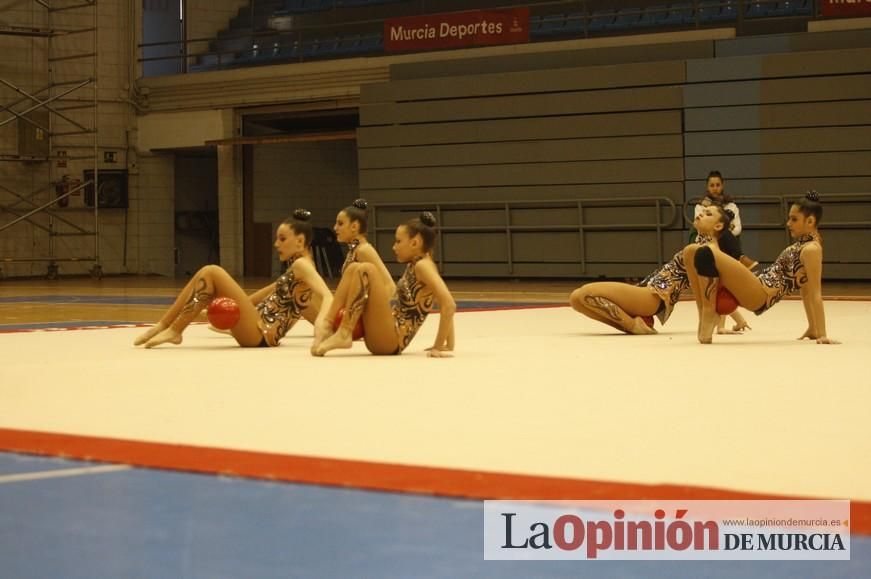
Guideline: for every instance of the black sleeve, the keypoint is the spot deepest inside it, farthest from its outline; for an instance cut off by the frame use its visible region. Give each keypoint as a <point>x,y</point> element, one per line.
<point>730,245</point>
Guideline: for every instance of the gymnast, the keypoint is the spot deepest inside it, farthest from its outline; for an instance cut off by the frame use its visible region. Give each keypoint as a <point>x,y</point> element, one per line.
<point>630,308</point>
<point>715,194</point>
<point>350,228</point>
<point>392,320</point>
<point>263,319</point>
<point>798,267</point>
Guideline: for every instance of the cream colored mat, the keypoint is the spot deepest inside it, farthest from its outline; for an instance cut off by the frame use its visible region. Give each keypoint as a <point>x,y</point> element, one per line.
<point>538,391</point>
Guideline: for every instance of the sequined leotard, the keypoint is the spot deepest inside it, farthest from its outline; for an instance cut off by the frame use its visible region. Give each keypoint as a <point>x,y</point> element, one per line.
<point>671,279</point>
<point>283,307</point>
<point>351,256</point>
<point>786,275</point>
<point>667,283</point>
<point>410,304</point>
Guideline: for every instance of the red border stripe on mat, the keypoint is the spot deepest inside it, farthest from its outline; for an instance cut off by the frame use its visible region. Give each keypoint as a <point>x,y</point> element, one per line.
<point>369,475</point>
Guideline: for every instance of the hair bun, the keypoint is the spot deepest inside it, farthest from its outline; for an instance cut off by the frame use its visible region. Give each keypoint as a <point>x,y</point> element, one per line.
<point>302,214</point>
<point>427,219</point>
<point>812,195</point>
<point>360,204</point>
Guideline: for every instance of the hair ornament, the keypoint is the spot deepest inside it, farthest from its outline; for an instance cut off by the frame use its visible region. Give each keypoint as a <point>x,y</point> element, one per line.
<point>427,219</point>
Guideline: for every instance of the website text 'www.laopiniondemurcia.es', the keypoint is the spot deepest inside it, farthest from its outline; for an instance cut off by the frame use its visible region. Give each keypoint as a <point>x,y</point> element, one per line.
<point>667,530</point>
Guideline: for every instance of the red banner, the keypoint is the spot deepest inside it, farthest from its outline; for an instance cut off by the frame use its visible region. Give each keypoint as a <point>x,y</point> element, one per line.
<point>845,7</point>
<point>457,30</point>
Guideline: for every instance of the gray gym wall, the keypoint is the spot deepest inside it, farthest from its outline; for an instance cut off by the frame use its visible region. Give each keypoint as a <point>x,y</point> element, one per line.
<point>776,115</point>
<point>318,176</point>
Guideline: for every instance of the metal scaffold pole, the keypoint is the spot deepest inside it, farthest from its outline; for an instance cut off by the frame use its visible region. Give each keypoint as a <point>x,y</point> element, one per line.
<point>58,132</point>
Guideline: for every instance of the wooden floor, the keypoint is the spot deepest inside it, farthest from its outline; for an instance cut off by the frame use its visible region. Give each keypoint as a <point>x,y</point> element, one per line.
<point>509,291</point>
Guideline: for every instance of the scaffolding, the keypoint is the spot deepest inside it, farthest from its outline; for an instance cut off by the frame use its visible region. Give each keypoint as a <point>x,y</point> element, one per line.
<point>57,131</point>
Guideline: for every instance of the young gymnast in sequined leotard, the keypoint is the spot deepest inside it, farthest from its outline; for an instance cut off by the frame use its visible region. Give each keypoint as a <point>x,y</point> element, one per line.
<point>350,228</point>
<point>799,267</point>
<point>391,321</point>
<point>298,292</point>
<point>715,194</point>
<point>624,306</point>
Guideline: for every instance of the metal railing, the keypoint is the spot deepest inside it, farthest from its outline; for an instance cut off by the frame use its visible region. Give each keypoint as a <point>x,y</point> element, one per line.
<point>657,204</point>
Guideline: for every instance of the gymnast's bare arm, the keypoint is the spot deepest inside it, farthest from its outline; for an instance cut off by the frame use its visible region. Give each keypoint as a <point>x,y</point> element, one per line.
<point>812,296</point>
<point>427,272</point>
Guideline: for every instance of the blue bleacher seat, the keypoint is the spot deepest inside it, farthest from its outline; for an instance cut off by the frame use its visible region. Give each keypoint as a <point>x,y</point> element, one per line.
<point>328,47</point>
<point>627,18</point>
<point>760,9</point>
<point>653,16</point>
<point>709,10</point>
<point>575,23</point>
<point>346,45</point>
<point>680,14</point>
<point>792,8</point>
<point>730,10</point>
<point>372,43</point>
<point>601,20</point>
<point>551,25</point>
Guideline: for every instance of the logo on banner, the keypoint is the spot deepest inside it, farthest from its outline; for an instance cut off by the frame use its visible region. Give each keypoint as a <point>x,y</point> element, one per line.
<point>457,30</point>
<point>667,530</point>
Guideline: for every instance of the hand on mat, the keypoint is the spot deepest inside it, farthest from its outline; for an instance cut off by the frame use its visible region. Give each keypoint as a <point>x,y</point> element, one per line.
<point>811,335</point>
<point>808,334</point>
<point>439,353</point>
<point>740,327</point>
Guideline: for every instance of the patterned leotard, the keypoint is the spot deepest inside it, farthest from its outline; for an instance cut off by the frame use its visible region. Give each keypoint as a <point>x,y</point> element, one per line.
<point>283,307</point>
<point>669,281</point>
<point>351,256</point>
<point>786,275</point>
<point>411,303</point>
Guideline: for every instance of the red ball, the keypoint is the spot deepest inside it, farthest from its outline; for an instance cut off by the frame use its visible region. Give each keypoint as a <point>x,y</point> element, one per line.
<point>223,313</point>
<point>726,302</point>
<point>358,329</point>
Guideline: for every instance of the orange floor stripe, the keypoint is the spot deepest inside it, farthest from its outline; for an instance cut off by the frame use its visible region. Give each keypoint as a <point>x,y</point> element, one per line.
<point>368,475</point>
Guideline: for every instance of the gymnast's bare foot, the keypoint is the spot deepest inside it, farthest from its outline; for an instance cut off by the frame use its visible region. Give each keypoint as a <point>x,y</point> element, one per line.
<point>148,334</point>
<point>707,323</point>
<point>166,336</point>
<point>640,327</point>
<point>323,330</point>
<point>340,339</point>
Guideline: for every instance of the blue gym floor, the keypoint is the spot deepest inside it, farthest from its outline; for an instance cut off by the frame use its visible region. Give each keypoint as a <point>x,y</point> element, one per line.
<point>139,523</point>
